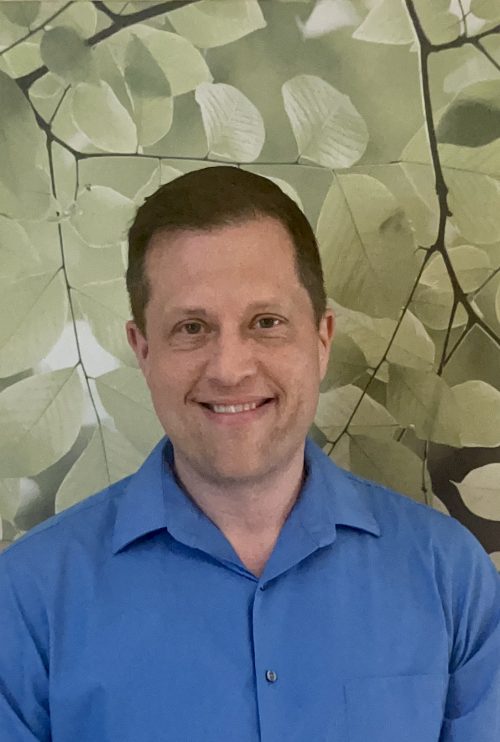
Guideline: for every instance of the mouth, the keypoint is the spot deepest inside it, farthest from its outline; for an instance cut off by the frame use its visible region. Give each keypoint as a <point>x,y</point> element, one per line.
<point>238,417</point>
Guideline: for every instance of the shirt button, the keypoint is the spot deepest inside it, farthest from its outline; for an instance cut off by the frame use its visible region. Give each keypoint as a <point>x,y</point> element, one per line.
<point>271,676</point>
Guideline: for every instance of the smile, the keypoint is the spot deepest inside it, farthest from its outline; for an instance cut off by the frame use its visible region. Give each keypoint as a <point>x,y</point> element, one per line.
<point>227,414</point>
<point>233,408</point>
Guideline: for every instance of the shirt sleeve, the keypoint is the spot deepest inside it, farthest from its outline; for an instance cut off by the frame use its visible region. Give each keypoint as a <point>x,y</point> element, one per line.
<point>24,714</point>
<point>472,711</point>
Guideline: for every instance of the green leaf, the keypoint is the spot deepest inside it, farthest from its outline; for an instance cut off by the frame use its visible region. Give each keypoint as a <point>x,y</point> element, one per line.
<point>411,346</point>
<point>27,196</point>
<point>471,264</point>
<point>64,52</point>
<point>22,13</point>
<point>153,118</point>
<point>439,505</point>
<point>143,74</point>
<point>125,396</point>
<point>98,113</point>
<point>40,418</point>
<point>181,63</point>
<point>341,454</point>
<point>33,313</point>
<point>483,160</point>
<point>473,201</point>
<point>389,463</point>
<point>111,73</point>
<point>65,175</point>
<point>480,490</point>
<point>336,406</point>
<point>346,363</point>
<point>469,123</point>
<point>233,125</point>
<point>367,246</point>
<point>84,264</point>
<point>479,409</point>
<point>305,185</point>
<point>386,23</point>
<point>477,357</point>
<point>433,307</point>
<point>441,20</point>
<point>327,127</point>
<point>473,68</point>
<point>10,498</point>
<point>148,188</point>
<point>105,306</point>
<point>127,174</point>
<point>473,196</point>
<point>9,33</point>
<point>422,216</point>
<point>26,190</point>
<point>210,23</point>
<point>23,58</point>
<point>488,9</point>
<point>81,16</point>
<point>495,558</point>
<point>423,400</point>
<point>18,256</point>
<point>97,467</point>
<point>87,476</point>
<point>102,215</point>
<point>168,173</point>
<point>327,17</point>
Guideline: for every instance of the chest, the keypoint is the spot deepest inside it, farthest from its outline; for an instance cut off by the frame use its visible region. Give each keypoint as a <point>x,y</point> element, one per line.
<point>170,650</point>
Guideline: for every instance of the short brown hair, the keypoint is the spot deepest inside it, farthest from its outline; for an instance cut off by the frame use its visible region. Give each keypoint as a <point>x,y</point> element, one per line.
<point>213,197</point>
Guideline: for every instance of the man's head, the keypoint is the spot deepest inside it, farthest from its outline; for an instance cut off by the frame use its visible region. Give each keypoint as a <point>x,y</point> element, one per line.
<point>228,303</point>
<point>215,197</point>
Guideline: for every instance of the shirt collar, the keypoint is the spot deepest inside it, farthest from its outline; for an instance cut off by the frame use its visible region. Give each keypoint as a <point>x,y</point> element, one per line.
<point>153,499</point>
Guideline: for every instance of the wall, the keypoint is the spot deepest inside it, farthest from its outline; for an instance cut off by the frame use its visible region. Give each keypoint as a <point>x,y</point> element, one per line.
<point>381,119</point>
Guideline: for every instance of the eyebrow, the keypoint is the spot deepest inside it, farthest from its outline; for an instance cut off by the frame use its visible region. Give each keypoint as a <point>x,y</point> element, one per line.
<point>203,312</point>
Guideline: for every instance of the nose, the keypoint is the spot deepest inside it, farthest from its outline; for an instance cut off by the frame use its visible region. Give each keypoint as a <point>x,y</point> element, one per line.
<point>232,358</point>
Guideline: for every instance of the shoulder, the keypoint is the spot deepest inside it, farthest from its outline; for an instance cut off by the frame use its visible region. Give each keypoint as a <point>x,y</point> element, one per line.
<point>414,526</point>
<point>88,523</point>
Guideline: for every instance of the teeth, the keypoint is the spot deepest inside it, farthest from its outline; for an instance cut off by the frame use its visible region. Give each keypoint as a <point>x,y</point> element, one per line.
<point>233,408</point>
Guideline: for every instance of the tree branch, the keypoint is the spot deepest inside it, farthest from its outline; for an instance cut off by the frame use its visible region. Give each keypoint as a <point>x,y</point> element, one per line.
<point>486,53</point>
<point>447,338</point>
<point>72,310</point>
<point>485,283</point>
<point>425,49</point>
<point>463,39</point>
<point>35,30</point>
<point>384,357</point>
<point>120,22</point>
<point>464,16</point>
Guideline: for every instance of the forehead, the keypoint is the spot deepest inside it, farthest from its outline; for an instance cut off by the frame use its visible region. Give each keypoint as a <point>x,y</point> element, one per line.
<point>260,252</point>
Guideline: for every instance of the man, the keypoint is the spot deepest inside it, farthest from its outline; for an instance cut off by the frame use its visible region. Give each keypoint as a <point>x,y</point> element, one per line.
<point>240,587</point>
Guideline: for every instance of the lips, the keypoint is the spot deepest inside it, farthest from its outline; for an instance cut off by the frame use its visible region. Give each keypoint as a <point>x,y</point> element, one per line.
<point>260,401</point>
<point>238,418</point>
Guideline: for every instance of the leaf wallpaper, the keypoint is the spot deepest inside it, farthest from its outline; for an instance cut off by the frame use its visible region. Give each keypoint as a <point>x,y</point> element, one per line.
<point>380,118</point>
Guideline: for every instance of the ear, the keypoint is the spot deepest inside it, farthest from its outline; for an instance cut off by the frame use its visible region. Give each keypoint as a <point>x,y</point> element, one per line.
<point>139,345</point>
<point>326,332</point>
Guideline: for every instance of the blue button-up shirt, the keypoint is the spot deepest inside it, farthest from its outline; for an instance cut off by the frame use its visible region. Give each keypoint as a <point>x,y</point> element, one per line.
<point>130,618</point>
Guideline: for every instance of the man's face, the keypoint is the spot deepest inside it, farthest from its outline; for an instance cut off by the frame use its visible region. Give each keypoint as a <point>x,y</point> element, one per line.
<point>207,341</point>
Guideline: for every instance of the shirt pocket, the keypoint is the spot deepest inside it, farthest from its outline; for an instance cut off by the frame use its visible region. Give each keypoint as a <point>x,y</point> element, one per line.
<point>395,708</point>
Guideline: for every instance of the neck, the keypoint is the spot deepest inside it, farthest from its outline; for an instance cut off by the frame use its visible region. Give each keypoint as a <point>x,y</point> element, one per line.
<point>251,511</point>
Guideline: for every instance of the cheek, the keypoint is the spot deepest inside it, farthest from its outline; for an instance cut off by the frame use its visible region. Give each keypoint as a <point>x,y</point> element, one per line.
<point>170,379</point>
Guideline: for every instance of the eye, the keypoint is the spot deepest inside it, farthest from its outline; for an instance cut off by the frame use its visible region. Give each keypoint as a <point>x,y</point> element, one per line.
<point>190,324</point>
<point>269,319</point>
